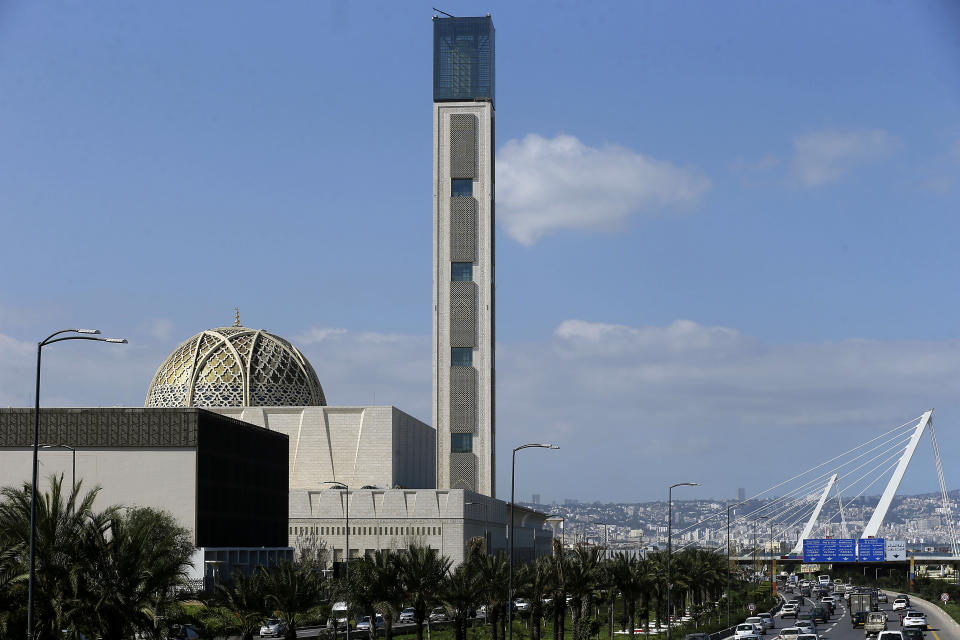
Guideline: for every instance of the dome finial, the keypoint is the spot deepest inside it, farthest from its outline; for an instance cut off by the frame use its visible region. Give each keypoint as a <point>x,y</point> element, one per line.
<point>236,320</point>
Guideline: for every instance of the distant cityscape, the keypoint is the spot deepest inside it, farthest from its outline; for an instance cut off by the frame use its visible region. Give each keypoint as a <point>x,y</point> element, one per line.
<point>920,520</point>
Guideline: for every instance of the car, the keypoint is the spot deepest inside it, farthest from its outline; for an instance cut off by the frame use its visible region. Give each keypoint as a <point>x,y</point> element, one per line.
<point>273,628</point>
<point>521,604</point>
<point>745,629</point>
<point>890,635</point>
<point>364,623</point>
<point>899,603</point>
<point>481,612</point>
<point>439,614</point>
<point>697,636</point>
<point>905,597</point>
<point>820,614</point>
<point>789,633</point>
<point>912,633</point>
<point>828,599</point>
<point>407,615</point>
<point>768,620</point>
<point>882,597</point>
<point>915,618</point>
<point>806,626</point>
<point>758,622</point>
<point>788,610</point>
<point>858,619</point>
<point>808,636</point>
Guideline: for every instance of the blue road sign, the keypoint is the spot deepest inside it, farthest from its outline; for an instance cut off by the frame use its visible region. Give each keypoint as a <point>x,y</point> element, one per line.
<point>871,550</point>
<point>829,550</point>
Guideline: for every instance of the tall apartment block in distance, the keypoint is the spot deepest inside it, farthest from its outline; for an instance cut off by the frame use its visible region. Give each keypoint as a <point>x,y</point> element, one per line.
<point>463,248</point>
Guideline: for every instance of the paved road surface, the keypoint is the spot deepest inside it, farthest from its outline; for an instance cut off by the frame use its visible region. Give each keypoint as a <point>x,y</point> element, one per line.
<point>839,627</point>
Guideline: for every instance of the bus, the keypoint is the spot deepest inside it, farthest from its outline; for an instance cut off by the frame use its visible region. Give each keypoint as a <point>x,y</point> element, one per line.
<point>824,580</point>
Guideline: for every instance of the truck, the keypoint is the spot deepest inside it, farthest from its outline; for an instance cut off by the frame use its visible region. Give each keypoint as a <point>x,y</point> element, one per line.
<point>864,600</point>
<point>876,622</point>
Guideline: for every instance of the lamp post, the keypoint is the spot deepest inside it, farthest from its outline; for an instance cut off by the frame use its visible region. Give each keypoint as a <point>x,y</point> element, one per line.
<point>670,541</point>
<point>728,559</point>
<point>554,517</point>
<point>513,475</point>
<point>346,552</point>
<point>74,452</point>
<point>486,542</point>
<point>88,334</point>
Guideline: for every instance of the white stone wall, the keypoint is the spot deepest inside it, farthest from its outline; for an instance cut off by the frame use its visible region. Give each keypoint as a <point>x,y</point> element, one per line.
<point>483,276</point>
<point>394,519</point>
<point>358,446</point>
<point>163,478</point>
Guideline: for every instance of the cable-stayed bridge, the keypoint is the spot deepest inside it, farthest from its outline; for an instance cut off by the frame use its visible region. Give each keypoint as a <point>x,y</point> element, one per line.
<point>815,503</point>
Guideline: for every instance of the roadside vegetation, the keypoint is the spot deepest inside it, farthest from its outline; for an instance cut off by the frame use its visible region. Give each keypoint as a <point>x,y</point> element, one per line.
<point>122,573</point>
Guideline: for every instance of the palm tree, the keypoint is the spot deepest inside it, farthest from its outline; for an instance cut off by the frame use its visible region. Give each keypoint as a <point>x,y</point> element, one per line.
<point>422,570</point>
<point>293,589</point>
<point>581,579</point>
<point>629,581</point>
<point>494,576</point>
<point>60,576</point>
<point>558,591</point>
<point>138,558</point>
<point>387,588</point>
<point>461,590</point>
<point>239,605</point>
<point>533,582</point>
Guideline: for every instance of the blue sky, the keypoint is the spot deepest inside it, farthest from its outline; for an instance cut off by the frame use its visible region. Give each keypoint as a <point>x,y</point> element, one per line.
<point>719,224</point>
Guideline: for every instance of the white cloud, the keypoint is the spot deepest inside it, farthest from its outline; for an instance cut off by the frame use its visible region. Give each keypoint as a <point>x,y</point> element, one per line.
<point>633,404</point>
<point>544,185</point>
<point>823,157</point>
<point>367,367</point>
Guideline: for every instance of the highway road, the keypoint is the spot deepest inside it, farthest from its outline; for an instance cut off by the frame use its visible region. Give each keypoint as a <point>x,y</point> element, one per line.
<point>839,627</point>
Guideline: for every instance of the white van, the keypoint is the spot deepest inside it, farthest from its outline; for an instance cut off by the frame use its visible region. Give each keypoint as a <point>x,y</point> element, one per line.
<point>824,580</point>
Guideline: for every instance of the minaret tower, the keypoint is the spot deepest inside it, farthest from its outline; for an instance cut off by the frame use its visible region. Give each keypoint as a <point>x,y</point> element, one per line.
<point>463,247</point>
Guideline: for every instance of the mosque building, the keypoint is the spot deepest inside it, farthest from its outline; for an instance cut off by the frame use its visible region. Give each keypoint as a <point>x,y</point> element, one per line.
<point>236,437</point>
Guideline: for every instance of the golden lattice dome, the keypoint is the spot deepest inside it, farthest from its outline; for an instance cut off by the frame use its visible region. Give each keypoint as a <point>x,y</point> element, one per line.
<point>235,367</point>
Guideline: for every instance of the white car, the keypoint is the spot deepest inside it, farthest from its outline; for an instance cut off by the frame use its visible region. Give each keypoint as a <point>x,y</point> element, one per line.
<point>272,628</point>
<point>439,614</point>
<point>788,609</point>
<point>521,604</point>
<point>889,635</point>
<point>758,622</point>
<point>364,624</point>
<point>767,620</point>
<point>915,619</point>
<point>407,615</point>
<point>789,633</point>
<point>746,629</point>
<point>806,626</point>
<point>899,603</point>
<point>808,636</point>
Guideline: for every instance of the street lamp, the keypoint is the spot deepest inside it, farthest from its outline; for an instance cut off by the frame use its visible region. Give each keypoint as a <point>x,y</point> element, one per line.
<point>346,552</point>
<point>87,335</point>
<point>74,452</point>
<point>670,541</point>
<point>554,517</point>
<point>513,475</point>
<point>486,542</point>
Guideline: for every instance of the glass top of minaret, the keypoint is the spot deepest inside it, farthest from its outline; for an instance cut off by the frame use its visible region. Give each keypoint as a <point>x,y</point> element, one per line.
<point>463,59</point>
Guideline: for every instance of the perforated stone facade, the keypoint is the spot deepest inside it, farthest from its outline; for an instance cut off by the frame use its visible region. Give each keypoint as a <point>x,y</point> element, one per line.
<point>463,396</point>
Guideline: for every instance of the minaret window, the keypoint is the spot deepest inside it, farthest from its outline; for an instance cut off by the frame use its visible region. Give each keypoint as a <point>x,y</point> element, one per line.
<point>461,271</point>
<point>461,187</point>
<point>461,443</point>
<point>461,356</point>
